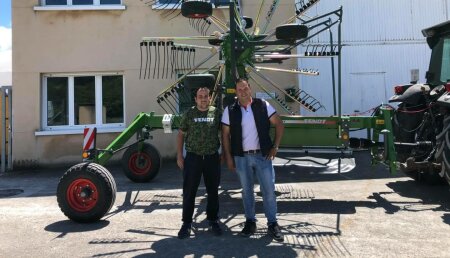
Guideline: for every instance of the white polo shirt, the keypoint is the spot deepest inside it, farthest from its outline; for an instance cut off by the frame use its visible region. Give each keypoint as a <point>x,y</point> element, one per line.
<point>250,139</point>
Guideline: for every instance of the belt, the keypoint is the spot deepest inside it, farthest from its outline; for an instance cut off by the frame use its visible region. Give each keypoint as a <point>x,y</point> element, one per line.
<point>202,156</point>
<point>252,152</point>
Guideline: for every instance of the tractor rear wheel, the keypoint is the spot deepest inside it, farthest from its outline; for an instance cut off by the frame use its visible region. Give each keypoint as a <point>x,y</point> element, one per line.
<point>443,149</point>
<point>86,192</point>
<point>141,165</point>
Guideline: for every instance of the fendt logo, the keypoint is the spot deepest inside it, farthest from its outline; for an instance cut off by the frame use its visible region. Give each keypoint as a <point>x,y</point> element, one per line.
<point>311,122</point>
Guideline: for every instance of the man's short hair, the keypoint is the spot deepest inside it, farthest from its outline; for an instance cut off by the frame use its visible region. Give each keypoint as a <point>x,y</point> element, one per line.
<point>202,89</point>
<point>243,79</point>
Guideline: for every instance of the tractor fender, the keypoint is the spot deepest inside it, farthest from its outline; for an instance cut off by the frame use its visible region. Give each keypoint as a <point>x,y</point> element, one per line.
<point>413,95</point>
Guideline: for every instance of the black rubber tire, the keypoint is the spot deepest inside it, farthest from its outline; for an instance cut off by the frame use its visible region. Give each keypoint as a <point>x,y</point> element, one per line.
<point>141,166</point>
<point>291,32</point>
<point>101,192</point>
<point>443,149</point>
<point>195,81</point>
<point>196,9</point>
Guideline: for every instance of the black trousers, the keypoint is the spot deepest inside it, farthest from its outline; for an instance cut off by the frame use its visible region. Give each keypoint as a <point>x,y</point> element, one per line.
<point>194,167</point>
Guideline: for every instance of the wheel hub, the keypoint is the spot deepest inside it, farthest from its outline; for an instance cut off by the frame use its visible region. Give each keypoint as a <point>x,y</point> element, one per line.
<point>82,195</point>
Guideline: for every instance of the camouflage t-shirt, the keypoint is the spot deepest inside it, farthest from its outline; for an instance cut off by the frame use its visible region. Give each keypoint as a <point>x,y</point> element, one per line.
<point>201,130</point>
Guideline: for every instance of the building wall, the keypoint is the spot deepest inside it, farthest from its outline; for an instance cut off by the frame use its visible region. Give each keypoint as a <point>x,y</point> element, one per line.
<point>90,41</point>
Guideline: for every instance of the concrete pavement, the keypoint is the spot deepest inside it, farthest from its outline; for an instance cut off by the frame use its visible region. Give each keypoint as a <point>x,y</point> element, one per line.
<point>362,212</point>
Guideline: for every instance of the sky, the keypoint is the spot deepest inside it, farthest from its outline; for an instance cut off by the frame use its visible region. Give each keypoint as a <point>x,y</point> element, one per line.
<point>5,42</point>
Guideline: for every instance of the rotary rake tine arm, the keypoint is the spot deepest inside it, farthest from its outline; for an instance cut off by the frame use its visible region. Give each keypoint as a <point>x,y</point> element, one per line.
<point>301,102</point>
<point>276,97</point>
<point>269,15</point>
<point>296,71</point>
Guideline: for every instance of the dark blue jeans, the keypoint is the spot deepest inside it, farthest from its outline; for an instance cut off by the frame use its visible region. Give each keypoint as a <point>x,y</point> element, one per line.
<point>194,167</point>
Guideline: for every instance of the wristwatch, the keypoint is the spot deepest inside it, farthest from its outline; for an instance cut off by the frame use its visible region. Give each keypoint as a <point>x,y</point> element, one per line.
<point>275,147</point>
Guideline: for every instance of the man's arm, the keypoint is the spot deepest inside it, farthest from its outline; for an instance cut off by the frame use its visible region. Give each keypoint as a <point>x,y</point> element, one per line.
<point>279,130</point>
<point>226,147</point>
<point>180,142</point>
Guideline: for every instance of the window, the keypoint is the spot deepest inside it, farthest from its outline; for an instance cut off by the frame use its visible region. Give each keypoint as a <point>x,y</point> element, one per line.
<point>81,2</point>
<point>74,101</point>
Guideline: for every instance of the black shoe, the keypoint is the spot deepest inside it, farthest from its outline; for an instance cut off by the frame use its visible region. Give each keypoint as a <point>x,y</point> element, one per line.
<point>249,229</point>
<point>185,231</point>
<point>214,227</point>
<point>275,231</point>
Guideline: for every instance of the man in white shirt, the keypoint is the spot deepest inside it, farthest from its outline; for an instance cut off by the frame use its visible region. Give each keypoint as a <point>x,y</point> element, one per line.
<point>249,150</point>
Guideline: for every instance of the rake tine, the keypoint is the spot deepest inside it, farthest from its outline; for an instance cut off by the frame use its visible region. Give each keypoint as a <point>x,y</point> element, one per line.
<point>164,58</point>
<point>181,52</point>
<point>173,9</point>
<point>167,54</point>
<point>160,6</point>
<point>175,16</point>
<point>155,58</point>
<point>172,107</point>
<point>198,25</point>
<point>192,59</point>
<point>150,58</point>
<point>209,25</point>
<point>203,27</point>
<point>170,93</point>
<point>159,101</point>
<point>177,60</point>
<point>159,57</point>
<point>147,63</point>
<point>140,67</point>
<point>180,59</point>
<point>188,58</point>
<point>184,60</point>
<point>172,56</point>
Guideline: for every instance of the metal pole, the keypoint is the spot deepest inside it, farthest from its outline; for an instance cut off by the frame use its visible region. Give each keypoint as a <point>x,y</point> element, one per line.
<point>232,43</point>
<point>333,76</point>
<point>3,131</point>
<point>339,67</point>
<point>10,163</point>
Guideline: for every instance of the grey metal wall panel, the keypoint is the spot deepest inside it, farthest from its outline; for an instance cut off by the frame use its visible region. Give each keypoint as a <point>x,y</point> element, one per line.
<point>369,73</point>
<point>384,20</point>
<point>382,43</point>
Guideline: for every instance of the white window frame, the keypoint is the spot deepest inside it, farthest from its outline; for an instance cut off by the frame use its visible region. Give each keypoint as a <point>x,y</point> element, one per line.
<point>69,6</point>
<point>72,128</point>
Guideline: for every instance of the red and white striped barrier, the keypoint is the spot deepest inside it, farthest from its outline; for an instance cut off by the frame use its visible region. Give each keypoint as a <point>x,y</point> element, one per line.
<point>89,138</point>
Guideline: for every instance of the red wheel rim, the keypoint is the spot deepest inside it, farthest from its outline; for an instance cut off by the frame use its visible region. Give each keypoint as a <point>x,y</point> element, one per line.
<point>139,163</point>
<point>82,195</point>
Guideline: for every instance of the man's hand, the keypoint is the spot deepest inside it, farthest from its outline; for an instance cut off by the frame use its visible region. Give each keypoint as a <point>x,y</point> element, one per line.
<point>180,161</point>
<point>230,163</point>
<point>272,153</point>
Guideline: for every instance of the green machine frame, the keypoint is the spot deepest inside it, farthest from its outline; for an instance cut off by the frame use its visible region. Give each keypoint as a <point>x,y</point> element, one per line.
<point>302,133</point>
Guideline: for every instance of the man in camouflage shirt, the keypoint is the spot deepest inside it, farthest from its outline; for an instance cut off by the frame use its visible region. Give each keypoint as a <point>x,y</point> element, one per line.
<point>199,131</point>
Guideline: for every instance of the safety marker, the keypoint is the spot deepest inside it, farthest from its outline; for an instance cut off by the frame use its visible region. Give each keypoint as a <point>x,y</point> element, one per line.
<point>90,135</point>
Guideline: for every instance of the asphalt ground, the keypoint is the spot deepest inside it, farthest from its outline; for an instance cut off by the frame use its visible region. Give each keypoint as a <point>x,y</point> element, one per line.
<point>361,212</point>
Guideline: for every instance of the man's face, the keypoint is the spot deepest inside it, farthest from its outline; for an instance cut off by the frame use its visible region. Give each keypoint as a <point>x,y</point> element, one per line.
<point>202,99</point>
<point>243,91</point>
